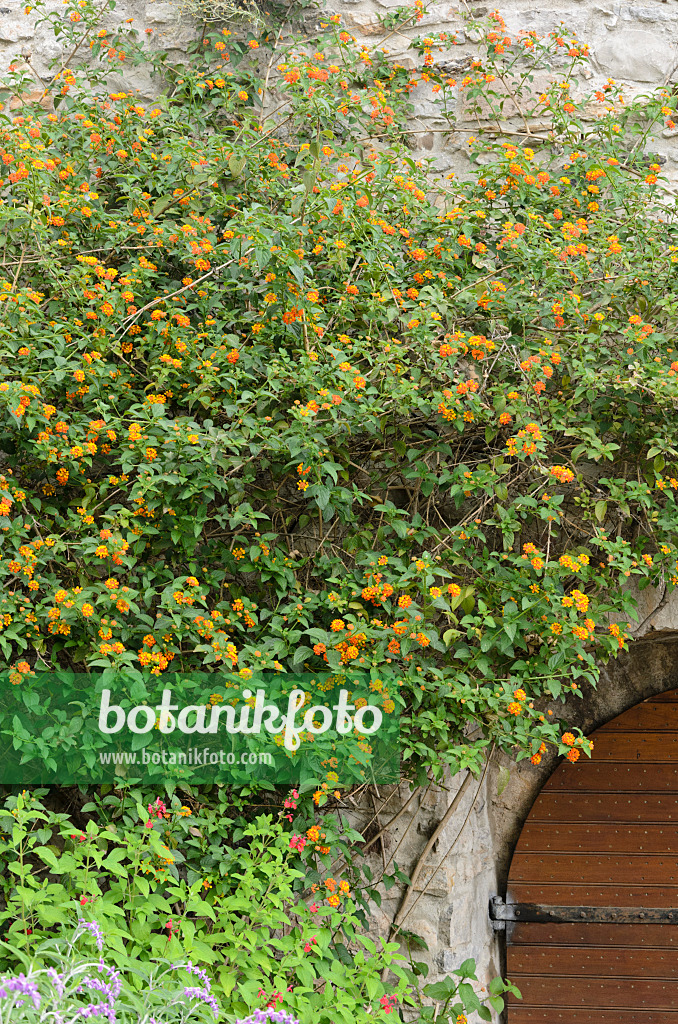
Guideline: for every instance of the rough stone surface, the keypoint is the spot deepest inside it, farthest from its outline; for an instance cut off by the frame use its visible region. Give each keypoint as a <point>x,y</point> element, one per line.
<point>14,27</point>
<point>642,56</point>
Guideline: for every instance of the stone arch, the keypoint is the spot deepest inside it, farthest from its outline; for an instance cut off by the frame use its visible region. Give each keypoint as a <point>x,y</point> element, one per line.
<point>648,669</point>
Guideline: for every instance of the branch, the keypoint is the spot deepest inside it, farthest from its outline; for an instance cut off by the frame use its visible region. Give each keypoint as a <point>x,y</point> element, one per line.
<point>419,867</point>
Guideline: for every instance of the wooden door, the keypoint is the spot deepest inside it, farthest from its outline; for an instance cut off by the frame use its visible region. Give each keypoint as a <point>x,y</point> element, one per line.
<point>593,884</point>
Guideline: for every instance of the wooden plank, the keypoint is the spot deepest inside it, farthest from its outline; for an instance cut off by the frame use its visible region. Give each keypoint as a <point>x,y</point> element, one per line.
<point>659,936</point>
<point>635,746</point>
<point>605,869</point>
<point>603,833</point>
<point>605,962</point>
<point>593,894</point>
<point>657,716</point>
<point>519,1014</point>
<point>616,807</point>
<point>602,993</point>
<point>613,776</point>
<point>599,837</point>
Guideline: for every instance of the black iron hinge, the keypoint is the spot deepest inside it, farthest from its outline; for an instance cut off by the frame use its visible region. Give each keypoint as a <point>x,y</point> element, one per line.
<point>502,913</point>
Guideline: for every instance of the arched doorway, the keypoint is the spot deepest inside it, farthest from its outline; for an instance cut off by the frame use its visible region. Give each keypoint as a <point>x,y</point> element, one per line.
<point>592,895</point>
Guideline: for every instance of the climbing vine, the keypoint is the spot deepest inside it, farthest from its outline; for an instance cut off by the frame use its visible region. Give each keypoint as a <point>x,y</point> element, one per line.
<point>277,396</point>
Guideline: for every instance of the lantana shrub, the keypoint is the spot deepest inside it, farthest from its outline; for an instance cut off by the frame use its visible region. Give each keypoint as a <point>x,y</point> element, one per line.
<point>274,395</point>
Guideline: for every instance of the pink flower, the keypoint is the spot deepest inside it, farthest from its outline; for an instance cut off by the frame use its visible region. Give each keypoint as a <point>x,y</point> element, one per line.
<point>149,824</point>
<point>297,843</point>
<point>314,908</point>
<point>84,900</point>
<point>307,947</point>
<point>158,808</point>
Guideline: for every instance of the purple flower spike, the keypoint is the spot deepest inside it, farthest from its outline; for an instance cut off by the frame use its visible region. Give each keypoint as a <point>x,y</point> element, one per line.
<point>57,980</point>
<point>24,986</point>
<point>269,1016</point>
<point>93,928</point>
<point>204,995</point>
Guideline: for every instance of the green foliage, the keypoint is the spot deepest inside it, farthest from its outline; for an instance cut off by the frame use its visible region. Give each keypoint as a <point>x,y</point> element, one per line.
<point>455,997</point>
<point>51,730</point>
<point>223,892</point>
<point>274,395</point>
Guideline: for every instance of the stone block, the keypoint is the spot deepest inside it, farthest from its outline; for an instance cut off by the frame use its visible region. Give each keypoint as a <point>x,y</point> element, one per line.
<point>362,22</point>
<point>441,16</point>
<point>635,55</point>
<point>434,881</point>
<point>36,96</point>
<point>14,27</point>
<point>160,13</point>
<point>423,923</point>
<point>175,37</point>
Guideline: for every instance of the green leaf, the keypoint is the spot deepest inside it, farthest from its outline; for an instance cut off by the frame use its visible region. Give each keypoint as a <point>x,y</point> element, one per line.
<point>301,654</point>
<point>467,969</point>
<point>322,496</point>
<point>161,204</point>
<point>441,991</point>
<point>236,165</point>
<point>47,855</point>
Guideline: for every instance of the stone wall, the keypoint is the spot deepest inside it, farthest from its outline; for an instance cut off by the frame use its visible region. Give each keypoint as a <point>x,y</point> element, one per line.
<point>635,43</point>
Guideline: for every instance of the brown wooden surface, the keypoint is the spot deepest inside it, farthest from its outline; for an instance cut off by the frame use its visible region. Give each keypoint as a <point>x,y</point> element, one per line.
<point>604,837</point>
<point>661,808</point>
<point>602,993</point>
<point>635,746</point>
<point>660,936</point>
<point>606,869</point>
<point>598,776</point>
<point>519,1014</point>
<point>605,962</point>
<point>602,833</point>
<point>656,716</point>
<point>567,894</point>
